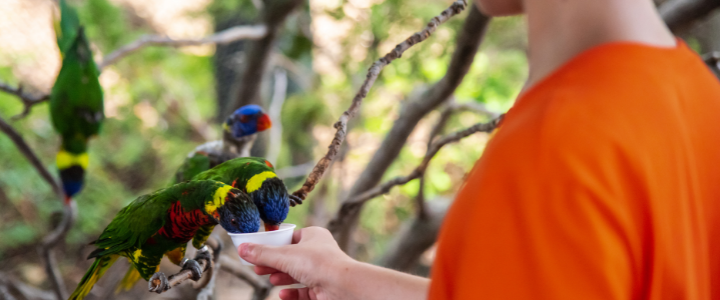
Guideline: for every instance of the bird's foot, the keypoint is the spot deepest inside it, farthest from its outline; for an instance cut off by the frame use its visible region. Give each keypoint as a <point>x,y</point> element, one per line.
<point>194,267</point>
<point>204,254</point>
<point>295,200</point>
<point>158,283</point>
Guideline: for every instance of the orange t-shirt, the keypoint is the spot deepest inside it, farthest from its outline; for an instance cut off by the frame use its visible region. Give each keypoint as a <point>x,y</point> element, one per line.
<point>602,182</point>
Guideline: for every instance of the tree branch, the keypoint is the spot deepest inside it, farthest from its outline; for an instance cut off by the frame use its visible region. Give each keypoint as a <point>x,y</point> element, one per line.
<point>679,13</point>
<point>48,244</point>
<point>274,14</point>
<point>22,289</point>
<point>261,287</point>
<point>274,112</point>
<point>31,156</point>
<point>385,187</point>
<point>468,43</point>
<point>415,237</point>
<point>28,100</point>
<point>226,36</point>
<point>373,72</point>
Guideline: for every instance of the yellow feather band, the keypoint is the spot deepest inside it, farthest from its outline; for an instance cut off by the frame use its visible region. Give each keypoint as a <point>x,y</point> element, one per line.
<point>65,160</point>
<point>256,181</point>
<point>218,199</point>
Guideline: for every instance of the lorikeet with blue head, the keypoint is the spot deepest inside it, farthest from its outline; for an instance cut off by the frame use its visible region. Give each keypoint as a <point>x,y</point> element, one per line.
<point>76,111</point>
<point>162,223</point>
<point>239,133</point>
<point>256,177</point>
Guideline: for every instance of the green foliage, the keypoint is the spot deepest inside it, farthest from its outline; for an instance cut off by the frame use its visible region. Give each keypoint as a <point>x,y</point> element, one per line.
<point>160,104</point>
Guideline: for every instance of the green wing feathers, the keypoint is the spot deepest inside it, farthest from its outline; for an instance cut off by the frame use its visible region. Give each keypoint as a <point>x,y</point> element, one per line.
<point>76,100</point>
<point>67,27</point>
<point>91,277</point>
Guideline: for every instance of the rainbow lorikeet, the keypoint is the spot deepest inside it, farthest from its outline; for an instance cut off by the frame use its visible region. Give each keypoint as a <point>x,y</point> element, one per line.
<point>162,223</point>
<point>238,136</point>
<point>256,177</point>
<point>76,110</point>
<point>67,26</point>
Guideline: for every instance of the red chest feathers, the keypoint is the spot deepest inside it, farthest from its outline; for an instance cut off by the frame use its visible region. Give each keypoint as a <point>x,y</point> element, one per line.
<point>181,224</point>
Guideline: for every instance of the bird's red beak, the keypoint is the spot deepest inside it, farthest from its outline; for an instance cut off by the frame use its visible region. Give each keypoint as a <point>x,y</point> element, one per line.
<point>263,123</point>
<point>269,227</point>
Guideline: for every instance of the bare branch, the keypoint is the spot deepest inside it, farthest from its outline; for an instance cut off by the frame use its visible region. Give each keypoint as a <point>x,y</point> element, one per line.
<point>294,171</point>
<point>450,138</point>
<point>274,14</point>
<point>261,286</point>
<point>22,289</point>
<point>415,237</point>
<point>226,36</point>
<point>49,242</point>
<point>274,112</point>
<point>467,45</point>
<point>206,265</point>
<point>373,72</point>
<point>28,100</point>
<point>31,156</point>
<point>679,13</point>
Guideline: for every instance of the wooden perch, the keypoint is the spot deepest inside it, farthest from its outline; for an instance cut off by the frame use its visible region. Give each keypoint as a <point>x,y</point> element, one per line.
<point>28,100</point>
<point>226,36</point>
<point>373,72</point>
<point>214,246</point>
<point>679,13</point>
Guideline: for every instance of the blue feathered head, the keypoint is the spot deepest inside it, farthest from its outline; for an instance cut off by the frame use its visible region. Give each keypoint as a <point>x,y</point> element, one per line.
<point>247,120</point>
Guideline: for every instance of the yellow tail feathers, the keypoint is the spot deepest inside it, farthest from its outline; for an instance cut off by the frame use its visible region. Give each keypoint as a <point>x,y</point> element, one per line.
<point>92,275</point>
<point>131,277</point>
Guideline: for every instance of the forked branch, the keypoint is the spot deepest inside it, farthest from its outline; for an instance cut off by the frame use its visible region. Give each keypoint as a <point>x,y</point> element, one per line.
<point>341,125</point>
<point>432,150</point>
<point>226,36</point>
<point>28,100</point>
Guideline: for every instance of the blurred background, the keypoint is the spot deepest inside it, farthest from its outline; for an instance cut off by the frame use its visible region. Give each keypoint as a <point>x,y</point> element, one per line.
<point>161,102</point>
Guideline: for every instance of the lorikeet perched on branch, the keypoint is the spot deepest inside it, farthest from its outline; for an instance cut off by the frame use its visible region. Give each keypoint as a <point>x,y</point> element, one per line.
<point>76,110</point>
<point>238,136</point>
<point>66,27</point>
<point>163,222</point>
<point>256,177</point>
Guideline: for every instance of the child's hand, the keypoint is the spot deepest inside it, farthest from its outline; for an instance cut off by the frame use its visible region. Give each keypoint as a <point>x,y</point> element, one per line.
<point>314,259</point>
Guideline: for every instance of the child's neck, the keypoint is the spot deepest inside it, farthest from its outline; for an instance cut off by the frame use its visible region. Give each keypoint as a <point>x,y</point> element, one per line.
<point>558,30</point>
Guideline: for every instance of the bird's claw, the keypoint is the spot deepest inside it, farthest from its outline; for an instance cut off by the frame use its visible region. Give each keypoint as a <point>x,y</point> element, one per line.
<point>158,283</point>
<point>295,200</point>
<point>194,267</point>
<point>204,254</point>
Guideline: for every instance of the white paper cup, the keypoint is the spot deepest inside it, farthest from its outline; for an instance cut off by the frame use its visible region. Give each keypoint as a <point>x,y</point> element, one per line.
<point>280,237</point>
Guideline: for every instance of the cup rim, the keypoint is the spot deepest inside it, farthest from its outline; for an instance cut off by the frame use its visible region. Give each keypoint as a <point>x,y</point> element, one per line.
<point>290,227</point>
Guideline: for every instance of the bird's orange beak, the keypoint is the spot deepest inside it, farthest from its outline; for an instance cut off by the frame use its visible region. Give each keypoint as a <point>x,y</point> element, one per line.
<point>269,227</point>
<point>263,123</point>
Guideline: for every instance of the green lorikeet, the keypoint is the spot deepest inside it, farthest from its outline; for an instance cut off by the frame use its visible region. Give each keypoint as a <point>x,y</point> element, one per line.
<point>67,27</point>
<point>163,222</point>
<point>256,177</point>
<point>239,133</point>
<point>76,110</point>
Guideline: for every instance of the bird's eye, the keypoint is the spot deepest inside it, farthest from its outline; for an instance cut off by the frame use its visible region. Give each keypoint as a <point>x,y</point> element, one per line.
<point>233,221</point>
